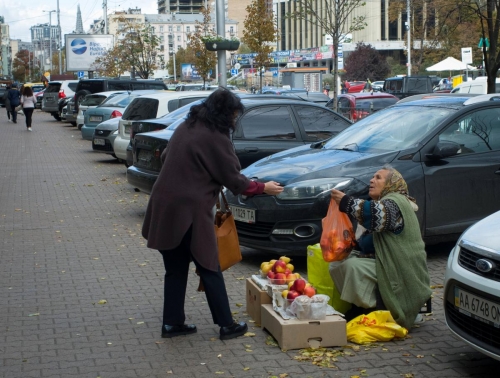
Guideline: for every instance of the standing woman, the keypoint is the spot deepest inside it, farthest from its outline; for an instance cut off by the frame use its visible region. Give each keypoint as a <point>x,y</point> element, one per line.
<point>179,222</point>
<point>13,96</point>
<point>28,101</point>
<point>7,102</point>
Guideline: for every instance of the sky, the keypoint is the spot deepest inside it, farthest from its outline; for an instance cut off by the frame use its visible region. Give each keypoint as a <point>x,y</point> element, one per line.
<point>31,12</point>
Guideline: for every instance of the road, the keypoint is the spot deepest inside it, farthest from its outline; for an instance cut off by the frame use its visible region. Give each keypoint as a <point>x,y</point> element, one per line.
<point>81,294</point>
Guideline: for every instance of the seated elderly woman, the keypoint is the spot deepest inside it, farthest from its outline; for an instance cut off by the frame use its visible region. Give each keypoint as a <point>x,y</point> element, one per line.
<point>388,269</point>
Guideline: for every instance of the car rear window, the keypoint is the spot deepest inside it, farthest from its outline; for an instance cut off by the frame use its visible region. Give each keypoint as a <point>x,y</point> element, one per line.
<point>91,86</point>
<point>375,104</point>
<point>141,108</point>
<point>37,88</point>
<point>93,100</point>
<point>53,87</point>
<point>120,101</point>
<point>73,86</point>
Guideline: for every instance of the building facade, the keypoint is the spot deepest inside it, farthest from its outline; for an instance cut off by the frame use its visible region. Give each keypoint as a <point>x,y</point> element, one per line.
<point>45,39</point>
<point>5,50</point>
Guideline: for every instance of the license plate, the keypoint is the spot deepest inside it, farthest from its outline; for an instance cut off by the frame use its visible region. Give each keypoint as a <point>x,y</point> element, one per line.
<point>99,142</point>
<point>243,214</point>
<point>477,307</point>
<point>126,129</point>
<point>95,119</point>
<point>144,158</point>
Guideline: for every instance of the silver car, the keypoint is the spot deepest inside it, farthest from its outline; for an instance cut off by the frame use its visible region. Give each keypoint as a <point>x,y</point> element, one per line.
<point>472,287</point>
<point>104,136</point>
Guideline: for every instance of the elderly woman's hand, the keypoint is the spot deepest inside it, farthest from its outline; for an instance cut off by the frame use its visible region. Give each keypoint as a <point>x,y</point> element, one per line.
<point>272,188</point>
<point>337,195</point>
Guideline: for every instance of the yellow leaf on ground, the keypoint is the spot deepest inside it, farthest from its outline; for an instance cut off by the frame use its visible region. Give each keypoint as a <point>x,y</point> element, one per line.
<point>102,301</point>
<point>239,304</point>
<point>246,368</point>
<point>249,334</point>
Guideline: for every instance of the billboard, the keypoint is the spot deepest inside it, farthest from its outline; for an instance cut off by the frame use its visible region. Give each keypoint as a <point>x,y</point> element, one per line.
<point>83,49</point>
<point>189,72</point>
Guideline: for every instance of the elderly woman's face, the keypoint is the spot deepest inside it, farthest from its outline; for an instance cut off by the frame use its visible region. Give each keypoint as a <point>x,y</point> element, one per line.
<point>377,183</point>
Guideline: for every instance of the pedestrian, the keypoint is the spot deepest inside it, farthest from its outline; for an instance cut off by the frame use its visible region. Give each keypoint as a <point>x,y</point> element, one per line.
<point>327,88</point>
<point>28,102</point>
<point>179,220</point>
<point>7,102</point>
<point>13,96</point>
<point>368,86</point>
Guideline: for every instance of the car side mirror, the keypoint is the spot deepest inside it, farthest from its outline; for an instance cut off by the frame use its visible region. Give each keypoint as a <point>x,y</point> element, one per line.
<point>444,149</point>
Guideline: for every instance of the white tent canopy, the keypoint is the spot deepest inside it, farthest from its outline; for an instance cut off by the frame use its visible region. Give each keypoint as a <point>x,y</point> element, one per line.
<point>450,64</point>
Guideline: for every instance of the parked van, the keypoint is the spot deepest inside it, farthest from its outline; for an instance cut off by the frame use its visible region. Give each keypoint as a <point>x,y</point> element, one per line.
<point>477,86</point>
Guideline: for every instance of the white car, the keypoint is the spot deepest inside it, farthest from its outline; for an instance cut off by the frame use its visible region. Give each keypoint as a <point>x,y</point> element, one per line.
<point>149,107</point>
<point>472,287</point>
<point>91,101</point>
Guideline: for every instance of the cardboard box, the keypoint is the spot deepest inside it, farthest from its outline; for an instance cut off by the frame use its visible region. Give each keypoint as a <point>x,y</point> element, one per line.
<point>255,298</point>
<point>298,334</point>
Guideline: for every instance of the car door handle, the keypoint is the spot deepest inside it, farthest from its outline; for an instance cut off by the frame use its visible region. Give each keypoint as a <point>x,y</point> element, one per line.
<point>251,149</point>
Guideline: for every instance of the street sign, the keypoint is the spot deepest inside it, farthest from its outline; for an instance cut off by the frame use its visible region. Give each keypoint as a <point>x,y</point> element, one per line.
<point>234,71</point>
<point>483,41</point>
<point>81,74</point>
<point>467,55</point>
<point>237,66</point>
<point>275,73</point>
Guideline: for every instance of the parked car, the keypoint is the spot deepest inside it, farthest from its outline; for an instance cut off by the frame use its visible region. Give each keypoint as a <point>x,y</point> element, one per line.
<point>191,87</point>
<point>69,113</point>
<point>316,97</point>
<point>471,288</point>
<point>89,86</point>
<point>110,108</point>
<point>477,86</point>
<point>356,106</point>
<point>104,136</point>
<point>55,91</point>
<point>35,87</point>
<point>377,85</point>
<point>39,98</point>
<point>264,128</point>
<point>447,149</point>
<point>91,101</point>
<point>149,107</point>
<point>356,86</point>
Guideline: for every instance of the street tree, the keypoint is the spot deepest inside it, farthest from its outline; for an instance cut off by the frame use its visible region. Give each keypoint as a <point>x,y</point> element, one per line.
<point>260,33</point>
<point>21,66</point>
<point>137,51</point>
<point>336,19</point>
<point>203,59</point>
<point>366,62</point>
<point>182,56</point>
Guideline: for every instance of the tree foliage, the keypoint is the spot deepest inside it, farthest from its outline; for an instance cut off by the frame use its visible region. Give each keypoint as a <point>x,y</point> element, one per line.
<point>335,18</point>
<point>260,32</point>
<point>181,56</point>
<point>137,51</point>
<point>366,62</point>
<point>21,65</point>
<point>203,59</point>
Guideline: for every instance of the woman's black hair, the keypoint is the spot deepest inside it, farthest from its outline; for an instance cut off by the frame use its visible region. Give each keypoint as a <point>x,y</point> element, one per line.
<point>27,91</point>
<point>218,111</point>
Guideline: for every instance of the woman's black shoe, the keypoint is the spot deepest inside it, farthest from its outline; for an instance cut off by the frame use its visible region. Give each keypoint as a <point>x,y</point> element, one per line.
<point>234,330</point>
<point>177,330</point>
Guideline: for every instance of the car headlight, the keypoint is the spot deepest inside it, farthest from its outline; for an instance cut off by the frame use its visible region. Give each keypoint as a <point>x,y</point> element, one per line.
<point>114,132</point>
<point>313,188</point>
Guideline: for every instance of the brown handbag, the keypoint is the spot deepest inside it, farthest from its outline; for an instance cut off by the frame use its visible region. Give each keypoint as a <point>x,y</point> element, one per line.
<point>227,237</point>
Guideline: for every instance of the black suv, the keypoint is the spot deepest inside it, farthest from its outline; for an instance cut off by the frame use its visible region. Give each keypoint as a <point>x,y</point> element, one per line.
<point>89,86</point>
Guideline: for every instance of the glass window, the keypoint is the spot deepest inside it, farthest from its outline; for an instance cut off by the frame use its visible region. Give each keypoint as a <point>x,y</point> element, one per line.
<point>188,29</point>
<point>141,108</point>
<point>268,122</point>
<point>72,86</point>
<point>318,123</point>
<point>178,28</point>
<point>93,100</point>
<point>170,28</point>
<point>178,38</point>
<point>161,29</point>
<point>476,132</point>
<point>344,107</point>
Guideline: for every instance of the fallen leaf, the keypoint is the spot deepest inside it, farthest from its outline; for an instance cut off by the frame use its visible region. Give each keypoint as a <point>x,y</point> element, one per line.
<point>160,342</point>
<point>219,372</point>
<point>140,322</point>
<point>437,286</point>
<point>239,304</point>
<point>110,343</point>
<point>170,372</point>
<point>248,346</point>
<point>102,301</point>
<point>240,278</point>
<point>249,334</point>
<point>248,350</point>
<point>219,355</point>
<point>35,314</point>
<point>420,356</point>
<point>246,368</point>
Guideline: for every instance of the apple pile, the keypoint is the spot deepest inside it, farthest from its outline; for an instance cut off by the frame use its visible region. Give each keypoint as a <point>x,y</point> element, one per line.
<point>298,287</point>
<point>279,272</point>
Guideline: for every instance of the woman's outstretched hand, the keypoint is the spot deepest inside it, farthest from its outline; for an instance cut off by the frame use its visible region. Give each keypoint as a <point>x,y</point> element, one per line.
<point>272,188</point>
<point>337,195</point>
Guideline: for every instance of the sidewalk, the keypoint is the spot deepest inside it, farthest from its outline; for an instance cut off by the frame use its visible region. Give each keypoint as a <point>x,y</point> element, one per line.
<point>81,295</point>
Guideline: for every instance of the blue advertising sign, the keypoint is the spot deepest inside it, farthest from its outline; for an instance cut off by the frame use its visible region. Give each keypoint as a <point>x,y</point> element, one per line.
<point>189,72</point>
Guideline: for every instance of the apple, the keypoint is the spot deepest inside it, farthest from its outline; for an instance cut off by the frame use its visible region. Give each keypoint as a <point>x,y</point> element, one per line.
<point>279,279</point>
<point>309,291</point>
<point>279,266</point>
<point>292,294</point>
<point>290,277</point>
<point>266,268</point>
<point>272,261</point>
<point>287,272</point>
<point>270,275</point>
<point>300,285</point>
<point>290,285</point>
<point>264,263</point>
<point>285,259</point>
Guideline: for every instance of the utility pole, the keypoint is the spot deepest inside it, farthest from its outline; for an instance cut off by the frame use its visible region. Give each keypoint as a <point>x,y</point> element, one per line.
<point>408,31</point>
<point>105,15</point>
<point>60,37</point>
<point>221,31</point>
<point>50,38</point>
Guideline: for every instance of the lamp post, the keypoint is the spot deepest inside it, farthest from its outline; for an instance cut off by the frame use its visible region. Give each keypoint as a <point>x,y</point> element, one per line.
<point>408,33</point>
<point>50,37</point>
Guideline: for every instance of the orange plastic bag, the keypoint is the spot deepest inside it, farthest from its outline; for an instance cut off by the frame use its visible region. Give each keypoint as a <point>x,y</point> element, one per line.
<point>337,238</point>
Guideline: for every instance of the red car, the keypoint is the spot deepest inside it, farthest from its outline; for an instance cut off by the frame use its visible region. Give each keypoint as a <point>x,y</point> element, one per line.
<point>356,106</point>
<point>356,86</point>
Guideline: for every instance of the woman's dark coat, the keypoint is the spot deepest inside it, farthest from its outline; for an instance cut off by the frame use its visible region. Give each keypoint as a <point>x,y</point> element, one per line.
<point>197,162</point>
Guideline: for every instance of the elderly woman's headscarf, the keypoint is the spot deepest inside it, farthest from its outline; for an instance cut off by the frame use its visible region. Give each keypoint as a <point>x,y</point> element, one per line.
<point>397,184</point>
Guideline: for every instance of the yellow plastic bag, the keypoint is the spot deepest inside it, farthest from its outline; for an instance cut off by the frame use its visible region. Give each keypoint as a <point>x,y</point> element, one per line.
<point>376,326</point>
<point>318,275</point>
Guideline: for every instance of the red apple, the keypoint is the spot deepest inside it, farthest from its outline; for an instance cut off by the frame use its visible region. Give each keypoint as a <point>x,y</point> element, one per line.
<point>300,285</point>
<point>280,279</point>
<point>270,275</point>
<point>290,277</point>
<point>309,291</point>
<point>287,272</point>
<point>279,266</point>
<point>292,294</point>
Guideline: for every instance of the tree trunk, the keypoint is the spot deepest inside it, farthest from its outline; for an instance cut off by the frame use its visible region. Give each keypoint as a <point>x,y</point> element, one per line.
<point>335,71</point>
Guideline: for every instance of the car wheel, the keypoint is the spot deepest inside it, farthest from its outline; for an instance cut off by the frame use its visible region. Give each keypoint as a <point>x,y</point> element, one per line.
<point>79,96</point>
<point>56,116</point>
<point>79,126</point>
<point>116,157</point>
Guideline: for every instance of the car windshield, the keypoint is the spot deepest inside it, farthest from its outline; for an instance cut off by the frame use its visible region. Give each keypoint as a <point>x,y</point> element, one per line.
<point>93,100</point>
<point>391,129</point>
<point>118,101</point>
